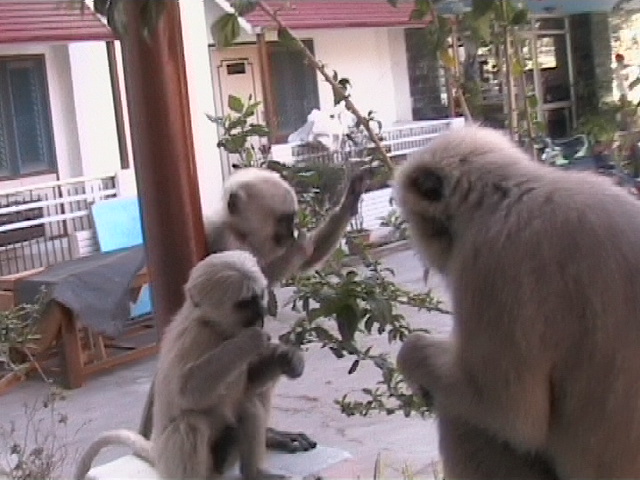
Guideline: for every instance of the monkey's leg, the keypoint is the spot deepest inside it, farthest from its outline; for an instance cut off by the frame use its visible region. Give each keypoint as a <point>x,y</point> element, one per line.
<point>147,412</point>
<point>470,453</point>
<point>277,361</point>
<point>182,452</point>
<point>252,445</point>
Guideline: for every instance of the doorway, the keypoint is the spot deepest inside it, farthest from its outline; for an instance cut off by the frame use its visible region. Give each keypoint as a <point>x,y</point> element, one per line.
<point>553,74</point>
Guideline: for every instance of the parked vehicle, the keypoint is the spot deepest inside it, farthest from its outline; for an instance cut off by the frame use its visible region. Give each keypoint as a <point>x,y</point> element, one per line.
<point>577,153</point>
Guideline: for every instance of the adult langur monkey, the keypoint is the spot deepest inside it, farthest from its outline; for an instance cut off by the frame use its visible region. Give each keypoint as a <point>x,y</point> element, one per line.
<point>538,378</point>
<point>258,214</point>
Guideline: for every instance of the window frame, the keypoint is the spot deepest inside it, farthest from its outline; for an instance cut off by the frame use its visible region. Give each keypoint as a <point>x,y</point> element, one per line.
<point>7,121</point>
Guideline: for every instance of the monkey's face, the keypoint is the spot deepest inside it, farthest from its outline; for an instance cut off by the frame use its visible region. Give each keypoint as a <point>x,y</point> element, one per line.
<point>266,218</point>
<point>250,311</point>
<point>421,191</point>
<point>228,290</point>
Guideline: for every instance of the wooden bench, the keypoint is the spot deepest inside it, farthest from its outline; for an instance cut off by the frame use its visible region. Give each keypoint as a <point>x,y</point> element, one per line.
<point>83,352</point>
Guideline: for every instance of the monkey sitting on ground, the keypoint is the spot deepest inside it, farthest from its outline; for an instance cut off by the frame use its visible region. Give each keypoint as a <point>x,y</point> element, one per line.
<point>258,214</point>
<point>216,371</point>
<point>539,377</point>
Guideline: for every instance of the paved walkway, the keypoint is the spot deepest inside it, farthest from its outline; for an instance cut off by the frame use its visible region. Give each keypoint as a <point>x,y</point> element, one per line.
<point>115,399</point>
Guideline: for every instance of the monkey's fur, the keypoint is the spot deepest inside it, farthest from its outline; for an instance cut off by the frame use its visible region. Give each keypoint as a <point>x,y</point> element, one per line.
<point>216,370</point>
<point>539,377</point>
<point>258,214</point>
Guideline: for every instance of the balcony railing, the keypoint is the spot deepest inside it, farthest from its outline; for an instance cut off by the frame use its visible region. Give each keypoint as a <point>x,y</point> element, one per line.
<point>36,222</point>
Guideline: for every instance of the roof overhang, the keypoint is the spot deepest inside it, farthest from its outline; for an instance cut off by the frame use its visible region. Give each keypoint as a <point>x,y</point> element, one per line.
<point>50,21</point>
<point>325,14</point>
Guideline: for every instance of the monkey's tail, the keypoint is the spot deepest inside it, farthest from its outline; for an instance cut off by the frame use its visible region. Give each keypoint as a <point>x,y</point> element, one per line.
<point>141,447</point>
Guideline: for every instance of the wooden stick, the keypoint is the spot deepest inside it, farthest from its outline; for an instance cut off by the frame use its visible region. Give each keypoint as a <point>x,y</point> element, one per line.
<point>337,88</point>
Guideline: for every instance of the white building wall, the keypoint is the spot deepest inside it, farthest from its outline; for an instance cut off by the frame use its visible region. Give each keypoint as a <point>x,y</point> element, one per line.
<point>195,32</point>
<point>95,112</point>
<point>374,59</point>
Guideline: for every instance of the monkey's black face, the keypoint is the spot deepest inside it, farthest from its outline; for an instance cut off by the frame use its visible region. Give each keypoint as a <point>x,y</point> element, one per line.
<point>283,233</point>
<point>251,310</point>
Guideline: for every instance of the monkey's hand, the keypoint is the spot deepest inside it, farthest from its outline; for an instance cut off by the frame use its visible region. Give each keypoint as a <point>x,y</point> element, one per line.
<point>291,362</point>
<point>424,360</point>
<point>355,190</point>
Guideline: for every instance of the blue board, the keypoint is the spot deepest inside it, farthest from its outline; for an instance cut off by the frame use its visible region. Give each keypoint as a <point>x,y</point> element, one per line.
<point>118,225</point>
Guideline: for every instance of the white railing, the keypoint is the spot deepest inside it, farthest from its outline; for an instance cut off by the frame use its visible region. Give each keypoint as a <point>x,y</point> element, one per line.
<point>37,221</point>
<point>399,140</point>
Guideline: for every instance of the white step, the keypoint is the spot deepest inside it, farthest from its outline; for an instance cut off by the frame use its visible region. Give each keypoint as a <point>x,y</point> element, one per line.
<point>299,465</point>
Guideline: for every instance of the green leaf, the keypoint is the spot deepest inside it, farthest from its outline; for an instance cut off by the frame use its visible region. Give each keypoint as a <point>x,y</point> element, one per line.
<point>520,17</point>
<point>226,29</point>
<point>481,8</point>
<point>286,37</point>
<point>235,104</point>
<point>354,366</point>
<point>245,7</point>
<point>393,3</point>
<point>251,108</point>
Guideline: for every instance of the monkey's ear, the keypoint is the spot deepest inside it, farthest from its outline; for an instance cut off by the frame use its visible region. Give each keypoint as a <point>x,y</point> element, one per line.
<point>233,203</point>
<point>429,185</point>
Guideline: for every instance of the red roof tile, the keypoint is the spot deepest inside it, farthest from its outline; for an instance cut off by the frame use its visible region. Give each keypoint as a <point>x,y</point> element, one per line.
<point>49,21</point>
<point>336,14</point>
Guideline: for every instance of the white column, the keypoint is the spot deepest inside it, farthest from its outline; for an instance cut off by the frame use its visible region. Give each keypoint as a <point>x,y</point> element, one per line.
<point>201,101</point>
<point>95,113</point>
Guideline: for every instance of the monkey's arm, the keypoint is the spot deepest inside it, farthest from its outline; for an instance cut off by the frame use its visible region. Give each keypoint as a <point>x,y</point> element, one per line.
<point>511,400</point>
<point>308,251</point>
<point>277,360</point>
<point>206,377</point>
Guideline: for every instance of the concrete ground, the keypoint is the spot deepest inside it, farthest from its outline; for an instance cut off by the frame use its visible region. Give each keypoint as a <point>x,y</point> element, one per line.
<point>115,400</point>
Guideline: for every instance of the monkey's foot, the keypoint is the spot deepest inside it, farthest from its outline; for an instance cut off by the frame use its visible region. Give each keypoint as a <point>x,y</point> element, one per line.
<point>289,442</point>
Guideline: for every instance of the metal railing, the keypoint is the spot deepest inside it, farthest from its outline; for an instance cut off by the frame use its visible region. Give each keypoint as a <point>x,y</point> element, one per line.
<point>398,140</point>
<point>37,221</point>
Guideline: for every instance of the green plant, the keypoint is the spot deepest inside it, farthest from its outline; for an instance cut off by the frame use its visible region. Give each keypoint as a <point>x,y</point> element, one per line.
<point>356,302</point>
<point>601,124</point>
<point>394,220</point>
<point>18,332</point>
<point>239,133</point>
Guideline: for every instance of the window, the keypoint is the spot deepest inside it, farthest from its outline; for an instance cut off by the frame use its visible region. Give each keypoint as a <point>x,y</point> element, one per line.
<point>295,88</point>
<point>26,139</point>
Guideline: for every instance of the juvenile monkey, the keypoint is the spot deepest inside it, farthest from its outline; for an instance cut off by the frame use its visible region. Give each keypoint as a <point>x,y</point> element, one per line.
<point>539,377</point>
<point>258,214</point>
<point>216,371</point>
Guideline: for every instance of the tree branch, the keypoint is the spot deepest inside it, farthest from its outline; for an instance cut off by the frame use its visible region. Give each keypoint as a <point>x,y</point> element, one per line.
<point>338,89</point>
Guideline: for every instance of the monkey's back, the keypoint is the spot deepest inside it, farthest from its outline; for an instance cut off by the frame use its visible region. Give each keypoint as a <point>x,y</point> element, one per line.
<point>552,277</point>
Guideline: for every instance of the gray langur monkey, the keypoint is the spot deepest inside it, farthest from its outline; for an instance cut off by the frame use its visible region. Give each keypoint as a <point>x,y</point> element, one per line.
<point>539,376</point>
<point>258,214</point>
<point>216,371</point>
